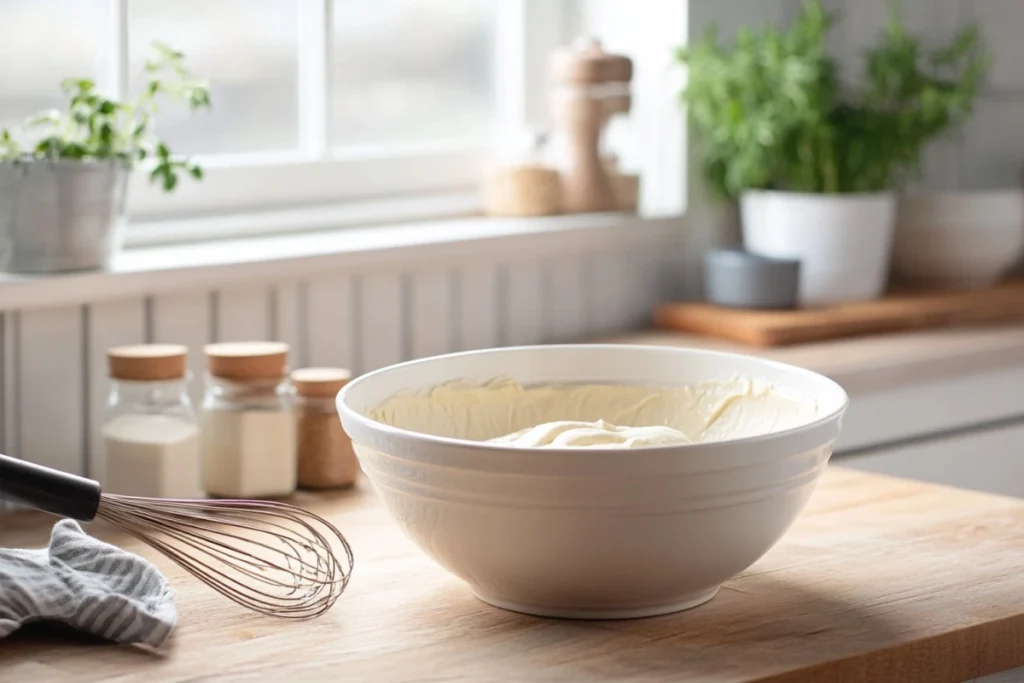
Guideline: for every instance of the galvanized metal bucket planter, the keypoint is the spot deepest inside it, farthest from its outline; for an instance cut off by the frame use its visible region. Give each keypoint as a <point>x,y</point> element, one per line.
<point>58,216</point>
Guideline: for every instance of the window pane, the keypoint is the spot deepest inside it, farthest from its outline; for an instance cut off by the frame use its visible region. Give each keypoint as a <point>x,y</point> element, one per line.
<point>248,49</point>
<point>41,43</point>
<point>412,70</point>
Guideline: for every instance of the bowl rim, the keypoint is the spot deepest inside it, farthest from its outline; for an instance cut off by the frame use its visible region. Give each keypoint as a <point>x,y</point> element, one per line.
<point>484,448</point>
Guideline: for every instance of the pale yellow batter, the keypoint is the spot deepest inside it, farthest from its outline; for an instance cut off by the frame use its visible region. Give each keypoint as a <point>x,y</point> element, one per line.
<point>600,434</point>
<point>604,415</point>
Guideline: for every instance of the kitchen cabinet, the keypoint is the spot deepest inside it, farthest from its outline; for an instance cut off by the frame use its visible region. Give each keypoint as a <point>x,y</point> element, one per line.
<point>988,459</point>
<point>930,407</point>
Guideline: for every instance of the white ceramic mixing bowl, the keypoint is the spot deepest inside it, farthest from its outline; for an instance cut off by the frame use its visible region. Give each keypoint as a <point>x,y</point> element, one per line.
<point>584,533</point>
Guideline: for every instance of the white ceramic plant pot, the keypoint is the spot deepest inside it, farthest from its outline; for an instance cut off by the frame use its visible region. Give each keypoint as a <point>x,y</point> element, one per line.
<point>843,242</point>
<point>958,240</point>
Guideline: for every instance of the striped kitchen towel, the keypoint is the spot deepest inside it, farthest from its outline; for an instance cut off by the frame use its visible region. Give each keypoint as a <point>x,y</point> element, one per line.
<point>86,584</point>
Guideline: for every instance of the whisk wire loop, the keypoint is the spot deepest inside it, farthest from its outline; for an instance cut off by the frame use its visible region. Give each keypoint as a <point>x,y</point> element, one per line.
<point>270,557</point>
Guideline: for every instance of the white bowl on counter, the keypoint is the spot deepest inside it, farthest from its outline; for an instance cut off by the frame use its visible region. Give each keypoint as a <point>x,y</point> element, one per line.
<point>592,533</point>
<point>958,240</point>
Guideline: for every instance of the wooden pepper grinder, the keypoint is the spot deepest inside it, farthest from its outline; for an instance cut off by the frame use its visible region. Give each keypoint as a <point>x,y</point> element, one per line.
<point>590,86</point>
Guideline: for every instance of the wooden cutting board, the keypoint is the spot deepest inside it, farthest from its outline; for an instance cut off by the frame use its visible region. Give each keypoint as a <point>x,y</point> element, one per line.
<point>879,580</point>
<point>896,312</point>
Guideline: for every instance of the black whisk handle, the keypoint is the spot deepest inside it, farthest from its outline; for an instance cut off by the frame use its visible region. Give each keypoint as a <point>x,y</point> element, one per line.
<point>49,490</point>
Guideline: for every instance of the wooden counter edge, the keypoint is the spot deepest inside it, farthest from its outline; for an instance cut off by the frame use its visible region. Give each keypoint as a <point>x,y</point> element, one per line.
<point>955,656</point>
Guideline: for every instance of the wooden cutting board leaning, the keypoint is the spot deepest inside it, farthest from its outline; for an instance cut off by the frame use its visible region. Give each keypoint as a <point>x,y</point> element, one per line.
<point>897,312</point>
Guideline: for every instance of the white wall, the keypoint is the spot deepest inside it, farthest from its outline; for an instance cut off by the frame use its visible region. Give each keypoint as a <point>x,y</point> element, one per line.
<point>989,150</point>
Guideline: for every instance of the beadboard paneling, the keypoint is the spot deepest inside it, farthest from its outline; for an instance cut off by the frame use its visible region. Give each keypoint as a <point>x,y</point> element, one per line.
<point>565,290</point>
<point>608,279</point>
<point>288,315</point>
<point>8,389</point>
<point>431,315</point>
<point>382,328</point>
<point>525,304</point>
<point>330,321</point>
<point>51,388</point>
<point>3,385</point>
<point>652,269</point>
<point>9,407</point>
<point>187,319</point>
<point>478,301</point>
<point>244,314</point>
<point>634,285</point>
<point>53,369</point>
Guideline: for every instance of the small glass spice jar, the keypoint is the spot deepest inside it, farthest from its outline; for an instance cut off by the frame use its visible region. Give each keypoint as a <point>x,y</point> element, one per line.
<point>326,458</point>
<point>247,427</point>
<point>150,435</point>
<point>519,181</point>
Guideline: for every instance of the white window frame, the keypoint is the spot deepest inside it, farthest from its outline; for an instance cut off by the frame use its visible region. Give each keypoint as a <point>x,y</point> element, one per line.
<point>315,174</point>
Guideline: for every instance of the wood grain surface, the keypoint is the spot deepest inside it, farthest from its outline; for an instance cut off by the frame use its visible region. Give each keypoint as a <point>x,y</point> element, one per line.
<point>880,580</point>
<point>897,312</point>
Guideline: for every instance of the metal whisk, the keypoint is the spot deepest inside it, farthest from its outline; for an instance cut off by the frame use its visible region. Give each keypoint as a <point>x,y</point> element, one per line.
<point>270,557</point>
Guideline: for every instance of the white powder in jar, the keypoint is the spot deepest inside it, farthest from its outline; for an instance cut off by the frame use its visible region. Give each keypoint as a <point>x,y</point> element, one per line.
<point>249,453</point>
<point>152,455</point>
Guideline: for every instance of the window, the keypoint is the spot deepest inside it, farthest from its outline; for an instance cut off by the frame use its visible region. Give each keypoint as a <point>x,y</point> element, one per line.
<point>314,101</point>
<point>438,85</point>
<point>249,49</point>
<point>33,61</point>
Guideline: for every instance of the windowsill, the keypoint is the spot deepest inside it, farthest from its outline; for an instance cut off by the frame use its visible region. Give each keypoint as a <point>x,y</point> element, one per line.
<point>212,264</point>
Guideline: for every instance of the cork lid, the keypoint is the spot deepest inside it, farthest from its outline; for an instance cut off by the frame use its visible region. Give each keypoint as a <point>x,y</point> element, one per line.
<point>247,360</point>
<point>148,362</point>
<point>585,62</point>
<point>320,382</point>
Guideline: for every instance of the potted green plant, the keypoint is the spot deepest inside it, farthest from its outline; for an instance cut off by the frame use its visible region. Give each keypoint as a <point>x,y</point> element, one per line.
<point>815,161</point>
<point>63,174</point>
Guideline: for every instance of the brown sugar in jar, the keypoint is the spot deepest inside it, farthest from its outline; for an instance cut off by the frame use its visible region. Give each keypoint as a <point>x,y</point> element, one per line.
<point>325,456</point>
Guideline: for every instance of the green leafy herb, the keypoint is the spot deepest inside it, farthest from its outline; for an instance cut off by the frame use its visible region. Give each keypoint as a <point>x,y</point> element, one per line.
<point>771,111</point>
<point>95,127</point>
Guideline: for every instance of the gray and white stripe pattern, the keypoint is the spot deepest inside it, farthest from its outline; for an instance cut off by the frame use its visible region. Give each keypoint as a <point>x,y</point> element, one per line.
<point>87,584</point>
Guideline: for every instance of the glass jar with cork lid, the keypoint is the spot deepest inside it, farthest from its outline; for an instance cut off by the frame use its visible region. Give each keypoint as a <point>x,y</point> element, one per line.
<point>247,427</point>
<point>326,459</point>
<point>150,435</point>
<point>519,180</point>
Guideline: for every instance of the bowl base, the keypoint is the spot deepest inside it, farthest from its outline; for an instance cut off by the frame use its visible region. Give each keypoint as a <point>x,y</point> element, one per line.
<point>554,612</point>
